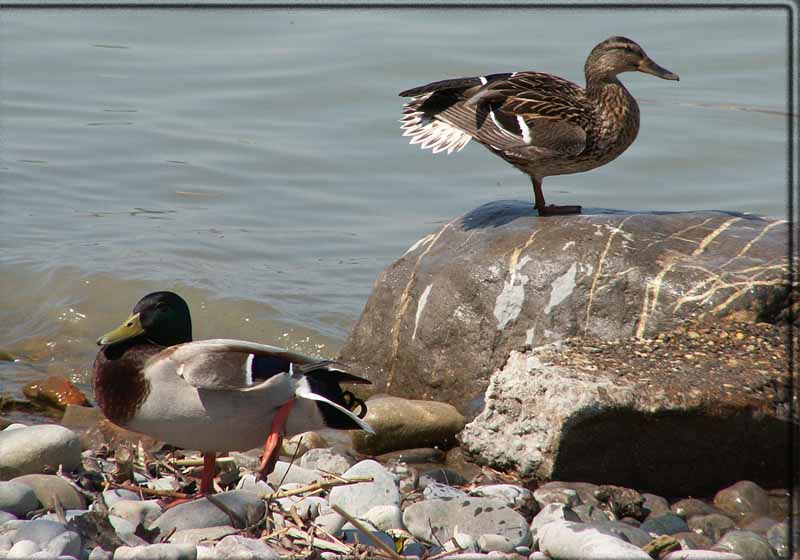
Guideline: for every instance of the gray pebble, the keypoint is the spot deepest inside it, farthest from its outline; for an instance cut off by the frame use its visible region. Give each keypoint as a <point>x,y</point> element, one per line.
<point>565,496</point>
<point>40,531</point>
<point>357,499</point>
<point>50,488</point>
<point>654,504</point>
<point>250,483</point>
<point>514,496</point>
<point>442,476</point>
<point>760,524</point>
<point>588,513</point>
<point>331,523</point>
<point>689,507</point>
<point>466,543</point>
<point>565,539</point>
<point>552,512</point>
<point>285,472</point>
<point>6,541</point>
<point>664,524</point>
<point>327,460</point>
<point>692,540</point>
<point>35,448</point>
<point>778,538</point>
<point>746,544</point>
<point>110,497</point>
<point>13,525</point>
<point>22,550</point>
<point>713,525</point>
<point>65,544</point>
<point>242,548</point>
<point>195,536</point>
<point>202,513</point>
<point>126,531</point>
<point>17,498</point>
<point>743,498</point>
<point>137,511</point>
<point>623,531</point>
<point>206,553</point>
<point>436,520</point>
<point>157,552</point>
<point>435,491</point>
<point>385,518</point>
<point>585,490</point>
<point>492,543</point>
<point>69,515</point>
<point>307,508</point>
<point>98,553</point>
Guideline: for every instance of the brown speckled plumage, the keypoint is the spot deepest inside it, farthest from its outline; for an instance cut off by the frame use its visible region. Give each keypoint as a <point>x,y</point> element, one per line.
<point>120,387</point>
<point>542,124</point>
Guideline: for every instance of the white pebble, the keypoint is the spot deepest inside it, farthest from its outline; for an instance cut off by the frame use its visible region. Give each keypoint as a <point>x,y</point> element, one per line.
<point>22,550</point>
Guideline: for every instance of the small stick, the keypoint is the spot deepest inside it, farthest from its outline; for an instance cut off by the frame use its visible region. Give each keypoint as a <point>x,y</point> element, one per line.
<point>316,486</point>
<point>198,461</point>
<point>152,491</point>
<point>447,553</point>
<point>317,542</point>
<point>293,513</point>
<point>367,533</point>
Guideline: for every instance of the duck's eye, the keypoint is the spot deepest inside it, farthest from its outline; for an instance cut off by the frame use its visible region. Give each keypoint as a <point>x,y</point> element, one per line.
<point>161,306</point>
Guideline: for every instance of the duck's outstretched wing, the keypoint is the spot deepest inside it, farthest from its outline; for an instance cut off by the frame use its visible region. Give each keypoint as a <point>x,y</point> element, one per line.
<point>524,114</point>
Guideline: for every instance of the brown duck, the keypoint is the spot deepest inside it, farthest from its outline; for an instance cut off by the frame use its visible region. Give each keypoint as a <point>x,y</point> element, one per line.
<point>541,124</point>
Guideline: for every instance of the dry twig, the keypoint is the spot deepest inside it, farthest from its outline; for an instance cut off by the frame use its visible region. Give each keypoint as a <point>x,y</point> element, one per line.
<point>315,487</point>
<point>367,533</point>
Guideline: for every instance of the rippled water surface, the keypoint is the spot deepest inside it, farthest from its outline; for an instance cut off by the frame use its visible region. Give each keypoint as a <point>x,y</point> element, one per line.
<point>252,159</point>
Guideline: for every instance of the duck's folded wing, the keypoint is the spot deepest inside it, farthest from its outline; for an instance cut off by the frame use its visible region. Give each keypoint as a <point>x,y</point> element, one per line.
<point>226,364</point>
<point>522,114</point>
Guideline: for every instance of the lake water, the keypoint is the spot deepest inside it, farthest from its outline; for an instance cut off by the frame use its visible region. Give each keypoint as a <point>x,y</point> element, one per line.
<point>252,159</point>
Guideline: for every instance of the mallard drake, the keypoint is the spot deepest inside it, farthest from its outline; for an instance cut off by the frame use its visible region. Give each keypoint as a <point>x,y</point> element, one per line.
<point>541,124</point>
<point>214,395</point>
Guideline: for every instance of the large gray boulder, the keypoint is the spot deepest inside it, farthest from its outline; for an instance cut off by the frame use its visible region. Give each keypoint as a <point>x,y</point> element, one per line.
<point>447,314</point>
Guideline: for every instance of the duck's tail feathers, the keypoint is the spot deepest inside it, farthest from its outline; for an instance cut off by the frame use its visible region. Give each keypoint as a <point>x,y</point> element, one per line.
<point>339,409</point>
<point>420,123</point>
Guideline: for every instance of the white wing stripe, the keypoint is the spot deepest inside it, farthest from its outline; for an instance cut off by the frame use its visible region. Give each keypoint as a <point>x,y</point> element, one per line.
<point>248,369</point>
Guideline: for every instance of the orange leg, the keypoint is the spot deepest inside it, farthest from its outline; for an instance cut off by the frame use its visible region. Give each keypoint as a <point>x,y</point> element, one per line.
<point>274,440</point>
<point>207,480</point>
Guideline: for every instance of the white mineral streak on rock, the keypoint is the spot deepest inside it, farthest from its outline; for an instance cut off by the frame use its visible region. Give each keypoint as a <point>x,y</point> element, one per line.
<point>424,241</point>
<point>568,540</point>
<point>509,303</point>
<point>529,337</point>
<point>567,245</point>
<point>423,299</point>
<point>561,287</point>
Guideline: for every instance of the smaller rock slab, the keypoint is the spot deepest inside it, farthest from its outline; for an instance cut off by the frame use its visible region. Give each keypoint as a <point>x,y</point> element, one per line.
<point>405,424</point>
